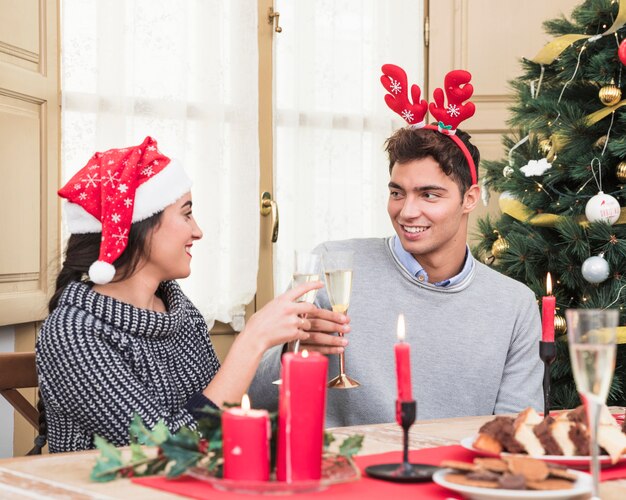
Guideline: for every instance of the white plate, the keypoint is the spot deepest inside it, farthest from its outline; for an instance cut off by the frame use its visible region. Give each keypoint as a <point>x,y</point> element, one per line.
<point>581,489</point>
<point>577,462</point>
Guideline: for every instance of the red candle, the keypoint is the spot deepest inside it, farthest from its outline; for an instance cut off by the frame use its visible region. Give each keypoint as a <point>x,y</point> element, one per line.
<point>301,411</point>
<point>246,436</point>
<point>403,363</point>
<point>548,303</point>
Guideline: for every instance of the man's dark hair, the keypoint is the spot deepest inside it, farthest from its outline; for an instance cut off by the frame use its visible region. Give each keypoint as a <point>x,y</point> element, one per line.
<point>408,144</point>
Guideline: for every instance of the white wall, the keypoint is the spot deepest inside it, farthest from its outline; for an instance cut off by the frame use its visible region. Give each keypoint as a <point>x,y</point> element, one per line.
<point>7,344</point>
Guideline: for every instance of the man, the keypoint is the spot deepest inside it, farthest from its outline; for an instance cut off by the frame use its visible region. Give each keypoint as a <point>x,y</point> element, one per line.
<point>474,333</point>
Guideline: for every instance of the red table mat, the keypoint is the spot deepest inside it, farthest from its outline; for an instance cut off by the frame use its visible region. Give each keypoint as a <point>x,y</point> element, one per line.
<point>365,489</point>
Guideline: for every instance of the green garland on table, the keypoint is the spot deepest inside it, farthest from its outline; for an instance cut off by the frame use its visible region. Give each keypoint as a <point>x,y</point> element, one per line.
<point>153,451</point>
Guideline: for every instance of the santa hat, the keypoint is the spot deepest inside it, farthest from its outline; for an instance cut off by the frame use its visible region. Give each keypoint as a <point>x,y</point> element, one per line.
<point>115,189</point>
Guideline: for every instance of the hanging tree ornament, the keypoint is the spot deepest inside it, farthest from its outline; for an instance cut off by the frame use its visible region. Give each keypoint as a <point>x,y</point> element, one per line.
<point>508,172</point>
<point>620,171</point>
<point>621,52</point>
<point>602,207</point>
<point>595,269</point>
<point>560,326</point>
<point>499,246</point>
<point>610,94</point>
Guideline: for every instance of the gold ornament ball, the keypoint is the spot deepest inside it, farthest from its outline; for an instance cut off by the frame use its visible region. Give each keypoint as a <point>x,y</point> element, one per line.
<point>545,146</point>
<point>620,171</point>
<point>560,326</point>
<point>610,95</point>
<point>499,247</point>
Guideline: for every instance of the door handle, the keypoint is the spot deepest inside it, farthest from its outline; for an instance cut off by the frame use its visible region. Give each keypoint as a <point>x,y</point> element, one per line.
<point>269,206</point>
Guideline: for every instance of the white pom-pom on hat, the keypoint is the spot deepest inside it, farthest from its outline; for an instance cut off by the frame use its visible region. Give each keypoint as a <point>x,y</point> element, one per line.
<point>101,272</point>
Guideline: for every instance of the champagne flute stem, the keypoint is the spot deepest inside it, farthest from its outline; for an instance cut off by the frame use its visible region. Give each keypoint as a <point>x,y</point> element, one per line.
<point>342,361</point>
<point>593,414</point>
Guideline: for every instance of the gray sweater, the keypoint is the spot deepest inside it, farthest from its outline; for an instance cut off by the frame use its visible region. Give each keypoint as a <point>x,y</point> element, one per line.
<point>474,345</point>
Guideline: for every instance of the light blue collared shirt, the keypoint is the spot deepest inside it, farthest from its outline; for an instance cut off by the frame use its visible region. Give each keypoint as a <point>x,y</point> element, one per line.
<point>412,266</point>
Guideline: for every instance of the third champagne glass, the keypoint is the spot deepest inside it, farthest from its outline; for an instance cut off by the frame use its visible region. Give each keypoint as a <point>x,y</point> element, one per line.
<point>338,275</point>
<point>591,336</point>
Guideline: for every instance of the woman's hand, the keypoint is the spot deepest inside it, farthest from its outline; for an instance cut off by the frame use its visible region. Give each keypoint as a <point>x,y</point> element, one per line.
<point>282,319</point>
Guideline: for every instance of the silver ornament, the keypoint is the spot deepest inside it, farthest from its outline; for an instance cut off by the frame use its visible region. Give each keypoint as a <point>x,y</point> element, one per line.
<point>507,172</point>
<point>595,269</point>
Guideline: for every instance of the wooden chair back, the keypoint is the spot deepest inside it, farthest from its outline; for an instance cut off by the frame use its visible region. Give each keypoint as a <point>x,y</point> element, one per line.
<point>18,371</point>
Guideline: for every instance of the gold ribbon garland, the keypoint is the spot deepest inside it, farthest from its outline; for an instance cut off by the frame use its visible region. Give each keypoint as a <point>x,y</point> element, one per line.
<point>552,50</point>
<point>522,213</point>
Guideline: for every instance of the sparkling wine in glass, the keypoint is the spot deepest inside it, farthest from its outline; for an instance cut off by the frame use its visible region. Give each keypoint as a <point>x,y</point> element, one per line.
<point>591,336</point>
<point>338,277</point>
<point>306,268</point>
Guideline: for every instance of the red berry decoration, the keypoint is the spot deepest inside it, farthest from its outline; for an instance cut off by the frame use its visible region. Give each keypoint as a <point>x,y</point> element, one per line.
<point>621,52</point>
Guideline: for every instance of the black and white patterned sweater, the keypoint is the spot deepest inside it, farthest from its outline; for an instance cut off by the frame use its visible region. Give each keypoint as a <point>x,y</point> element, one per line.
<point>100,361</point>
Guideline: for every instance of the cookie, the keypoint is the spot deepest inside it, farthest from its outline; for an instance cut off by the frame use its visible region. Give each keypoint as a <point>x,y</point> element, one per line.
<point>562,474</point>
<point>550,484</point>
<point>532,470</point>
<point>492,464</point>
<point>458,465</point>
<point>463,479</point>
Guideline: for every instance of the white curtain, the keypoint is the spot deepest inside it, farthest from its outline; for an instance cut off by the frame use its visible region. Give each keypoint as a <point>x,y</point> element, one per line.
<point>184,72</point>
<point>331,172</point>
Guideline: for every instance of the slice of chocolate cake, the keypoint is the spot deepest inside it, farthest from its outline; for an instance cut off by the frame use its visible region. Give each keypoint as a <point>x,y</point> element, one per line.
<point>543,432</point>
<point>498,435</point>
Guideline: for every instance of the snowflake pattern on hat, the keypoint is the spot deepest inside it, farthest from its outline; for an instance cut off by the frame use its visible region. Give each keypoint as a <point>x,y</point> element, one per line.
<point>106,189</point>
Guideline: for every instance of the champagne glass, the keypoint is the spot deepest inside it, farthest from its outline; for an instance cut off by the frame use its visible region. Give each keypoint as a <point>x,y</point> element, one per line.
<point>338,276</point>
<point>306,269</point>
<point>591,336</point>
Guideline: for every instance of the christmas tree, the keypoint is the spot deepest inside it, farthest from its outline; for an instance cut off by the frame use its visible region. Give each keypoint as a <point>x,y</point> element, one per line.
<point>568,146</point>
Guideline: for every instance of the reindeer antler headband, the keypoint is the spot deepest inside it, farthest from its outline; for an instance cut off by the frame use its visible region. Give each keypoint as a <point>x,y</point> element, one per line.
<point>457,89</point>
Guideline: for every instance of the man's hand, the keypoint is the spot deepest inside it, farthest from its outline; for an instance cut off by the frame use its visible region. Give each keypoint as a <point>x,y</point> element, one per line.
<point>324,324</point>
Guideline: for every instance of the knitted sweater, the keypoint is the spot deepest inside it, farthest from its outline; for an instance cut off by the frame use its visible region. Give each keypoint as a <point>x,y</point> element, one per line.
<point>474,345</point>
<point>100,361</point>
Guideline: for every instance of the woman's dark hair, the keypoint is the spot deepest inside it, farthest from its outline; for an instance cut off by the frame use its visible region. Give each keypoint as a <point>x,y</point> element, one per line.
<point>82,251</point>
<point>408,144</point>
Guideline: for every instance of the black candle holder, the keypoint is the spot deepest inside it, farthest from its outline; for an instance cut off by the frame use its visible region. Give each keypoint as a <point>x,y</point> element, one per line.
<point>547,353</point>
<point>404,472</point>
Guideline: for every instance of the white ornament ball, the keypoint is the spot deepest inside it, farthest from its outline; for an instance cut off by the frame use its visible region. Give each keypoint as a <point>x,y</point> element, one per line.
<point>595,269</point>
<point>507,172</point>
<point>602,207</point>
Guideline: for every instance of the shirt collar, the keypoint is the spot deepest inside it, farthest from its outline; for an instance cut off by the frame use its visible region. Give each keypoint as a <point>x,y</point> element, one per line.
<point>411,264</point>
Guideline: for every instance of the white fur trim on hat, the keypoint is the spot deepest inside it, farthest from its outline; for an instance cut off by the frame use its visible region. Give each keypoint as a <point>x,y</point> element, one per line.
<point>153,196</point>
<point>101,272</point>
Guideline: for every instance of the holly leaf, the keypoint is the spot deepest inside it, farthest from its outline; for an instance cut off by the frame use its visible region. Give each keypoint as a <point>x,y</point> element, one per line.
<point>351,445</point>
<point>136,453</point>
<point>139,432</point>
<point>328,439</point>
<point>108,464</point>
<point>182,450</point>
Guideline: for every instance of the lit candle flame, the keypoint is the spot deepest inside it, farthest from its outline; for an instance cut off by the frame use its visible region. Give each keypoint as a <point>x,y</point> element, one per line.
<point>549,284</point>
<point>305,353</point>
<point>400,331</point>
<point>245,403</point>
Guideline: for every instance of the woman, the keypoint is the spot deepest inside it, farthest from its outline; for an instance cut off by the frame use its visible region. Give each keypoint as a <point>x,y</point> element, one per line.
<point>125,339</point>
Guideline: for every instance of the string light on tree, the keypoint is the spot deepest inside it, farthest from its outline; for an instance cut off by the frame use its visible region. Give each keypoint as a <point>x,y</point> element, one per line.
<point>595,269</point>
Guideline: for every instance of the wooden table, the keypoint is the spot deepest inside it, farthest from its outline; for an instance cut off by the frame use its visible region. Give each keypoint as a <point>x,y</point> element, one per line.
<point>66,475</point>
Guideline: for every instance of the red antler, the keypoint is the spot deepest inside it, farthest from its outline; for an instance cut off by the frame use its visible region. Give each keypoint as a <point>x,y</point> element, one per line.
<point>395,82</point>
<point>458,89</point>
